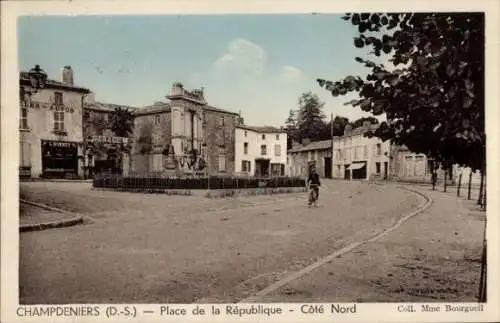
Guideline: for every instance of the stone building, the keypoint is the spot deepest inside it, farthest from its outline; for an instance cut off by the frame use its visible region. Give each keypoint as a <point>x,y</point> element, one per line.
<point>183,135</point>
<point>50,126</point>
<point>408,166</point>
<point>260,151</point>
<point>302,156</point>
<point>360,157</point>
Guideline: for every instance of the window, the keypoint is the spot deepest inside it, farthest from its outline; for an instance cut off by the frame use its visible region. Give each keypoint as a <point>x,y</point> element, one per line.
<point>379,149</point>
<point>365,152</point>
<point>277,150</point>
<point>245,148</point>
<point>263,150</point>
<point>246,133</point>
<point>58,120</point>
<point>86,115</point>
<point>222,121</point>
<point>263,137</point>
<point>377,168</point>
<point>245,166</point>
<point>276,169</point>
<point>277,137</point>
<point>156,140</point>
<point>222,163</point>
<point>24,118</point>
<point>157,119</point>
<point>58,98</point>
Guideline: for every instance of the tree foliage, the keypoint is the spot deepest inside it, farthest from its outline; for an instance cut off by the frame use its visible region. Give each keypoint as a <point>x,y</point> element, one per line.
<point>310,117</point>
<point>122,122</point>
<point>290,128</point>
<point>361,121</point>
<point>434,97</point>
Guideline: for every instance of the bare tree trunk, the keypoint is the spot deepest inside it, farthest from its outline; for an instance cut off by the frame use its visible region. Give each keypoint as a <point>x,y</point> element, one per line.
<point>483,202</point>
<point>481,187</point>
<point>470,183</point>
<point>444,177</point>
<point>483,278</point>
<point>459,184</point>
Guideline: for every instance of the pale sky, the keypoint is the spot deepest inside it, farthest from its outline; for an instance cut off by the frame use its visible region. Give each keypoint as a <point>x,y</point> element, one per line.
<point>256,64</point>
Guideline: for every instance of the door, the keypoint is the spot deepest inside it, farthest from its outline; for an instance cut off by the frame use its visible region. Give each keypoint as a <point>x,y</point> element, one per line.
<point>386,164</point>
<point>328,167</point>
<point>347,173</point>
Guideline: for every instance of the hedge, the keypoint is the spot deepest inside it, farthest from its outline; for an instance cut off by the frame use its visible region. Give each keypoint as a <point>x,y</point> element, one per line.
<point>202,183</point>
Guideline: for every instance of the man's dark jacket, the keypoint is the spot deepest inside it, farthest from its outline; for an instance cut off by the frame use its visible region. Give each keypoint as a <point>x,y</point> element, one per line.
<point>314,179</point>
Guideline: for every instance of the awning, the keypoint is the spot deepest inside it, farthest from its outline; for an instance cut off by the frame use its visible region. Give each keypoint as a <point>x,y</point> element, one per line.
<point>356,166</point>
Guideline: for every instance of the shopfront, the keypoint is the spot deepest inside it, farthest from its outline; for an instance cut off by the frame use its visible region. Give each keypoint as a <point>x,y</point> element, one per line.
<point>59,159</point>
<point>358,170</point>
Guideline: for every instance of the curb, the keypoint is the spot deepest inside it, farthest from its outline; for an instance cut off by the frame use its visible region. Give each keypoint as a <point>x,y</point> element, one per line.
<point>37,180</point>
<point>304,271</point>
<point>76,219</point>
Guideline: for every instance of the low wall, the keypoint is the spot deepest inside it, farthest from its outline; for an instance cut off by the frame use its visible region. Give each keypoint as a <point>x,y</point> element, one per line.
<point>215,193</point>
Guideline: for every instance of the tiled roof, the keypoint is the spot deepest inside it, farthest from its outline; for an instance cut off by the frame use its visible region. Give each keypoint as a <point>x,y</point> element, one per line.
<point>212,108</point>
<point>263,129</point>
<point>24,78</point>
<point>107,107</point>
<point>315,145</point>
<point>154,108</point>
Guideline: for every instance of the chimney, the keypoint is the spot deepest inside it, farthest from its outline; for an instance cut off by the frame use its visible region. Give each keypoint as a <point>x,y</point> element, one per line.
<point>67,75</point>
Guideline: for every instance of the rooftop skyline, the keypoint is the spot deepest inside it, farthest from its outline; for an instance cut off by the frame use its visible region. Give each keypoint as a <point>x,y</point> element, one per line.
<point>256,64</point>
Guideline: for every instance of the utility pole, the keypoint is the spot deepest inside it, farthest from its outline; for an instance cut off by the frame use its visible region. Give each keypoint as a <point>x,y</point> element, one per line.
<point>84,148</point>
<point>331,137</point>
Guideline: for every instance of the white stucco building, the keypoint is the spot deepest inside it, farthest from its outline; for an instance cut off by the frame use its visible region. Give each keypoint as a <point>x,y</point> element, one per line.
<point>260,151</point>
<point>360,157</point>
<point>50,127</point>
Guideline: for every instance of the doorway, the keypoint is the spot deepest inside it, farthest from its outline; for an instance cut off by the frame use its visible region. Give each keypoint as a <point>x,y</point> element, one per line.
<point>328,167</point>
<point>262,167</point>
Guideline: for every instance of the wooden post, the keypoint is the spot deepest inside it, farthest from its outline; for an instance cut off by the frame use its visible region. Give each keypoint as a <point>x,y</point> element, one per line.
<point>459,184</point>
<point>470,183</point>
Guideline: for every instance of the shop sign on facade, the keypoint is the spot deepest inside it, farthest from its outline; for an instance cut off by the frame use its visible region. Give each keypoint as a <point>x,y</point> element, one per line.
<point>58,108</point>
<point>108,139</point>
<point>60,144</point>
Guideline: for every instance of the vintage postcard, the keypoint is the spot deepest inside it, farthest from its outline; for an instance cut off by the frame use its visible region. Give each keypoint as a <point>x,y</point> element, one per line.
<point>264,161</point>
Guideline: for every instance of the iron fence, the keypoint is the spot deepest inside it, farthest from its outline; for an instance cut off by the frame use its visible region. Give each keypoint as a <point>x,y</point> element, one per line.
<point>193,182</point>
